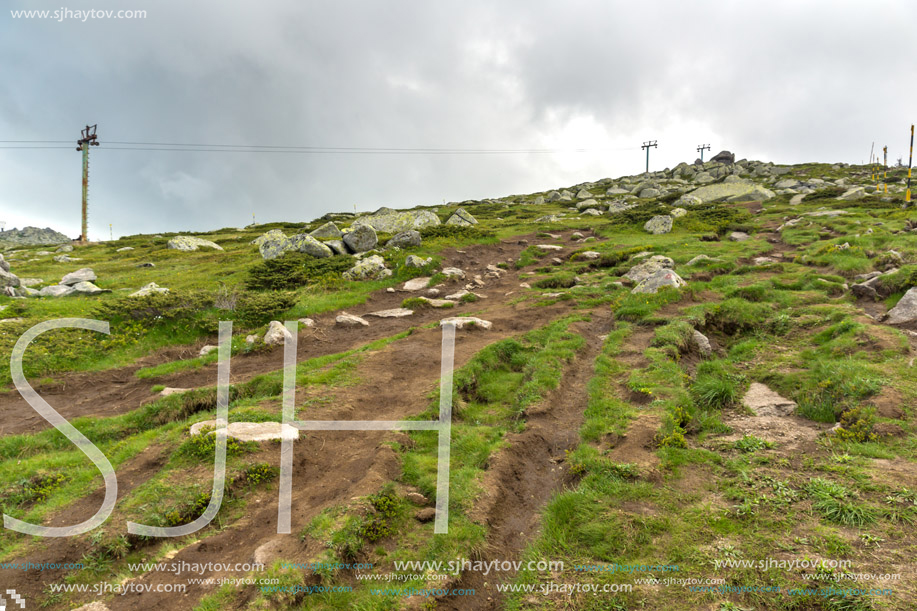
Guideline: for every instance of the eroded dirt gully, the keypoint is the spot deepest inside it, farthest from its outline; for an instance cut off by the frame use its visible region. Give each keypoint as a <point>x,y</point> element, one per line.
<point>525,475</point>
<point>330,468</point>
<point>116,391</point>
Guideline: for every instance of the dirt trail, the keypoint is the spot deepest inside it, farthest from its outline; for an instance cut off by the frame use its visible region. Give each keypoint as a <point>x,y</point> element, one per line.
<point>523,477</point>
<point>113,392</point>
<point>330,468</point>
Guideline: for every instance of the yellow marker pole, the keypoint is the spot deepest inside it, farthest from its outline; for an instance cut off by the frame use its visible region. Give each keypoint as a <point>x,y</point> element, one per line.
<point>885,168</point>
<point>910,161</point>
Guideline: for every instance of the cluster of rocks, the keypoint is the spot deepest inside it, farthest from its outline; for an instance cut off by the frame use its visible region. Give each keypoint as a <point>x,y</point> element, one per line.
<point>31,236</point>
<point>80,282</point>
<point>653,273</point>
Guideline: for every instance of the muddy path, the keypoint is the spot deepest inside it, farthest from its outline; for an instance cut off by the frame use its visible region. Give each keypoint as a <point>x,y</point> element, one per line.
<point>525,475</point>
<point>116,391</point>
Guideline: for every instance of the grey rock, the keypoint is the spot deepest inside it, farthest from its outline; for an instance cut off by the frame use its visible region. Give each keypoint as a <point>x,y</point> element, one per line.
<point>149,289</point>
<point>207,350</point>
<point>678,212</point>
<point>372,267</point>
<point>276,334</point>
<point>583,194</point>
<point>406,239</point>
<point>249,431</point>
<point>553,196</point>
<point>618,206</point>
<point>64,259</point>
<point>454,272</point>
<point>4,265</point>
<point>765,402</point>
<point>700,258</point>
<point>658,224</point>
<point>305,243</point>
<point>745,191</point>
<point>797,199</point>
<point>349,320</point>
<point>591,212</point>
<point>658,280</point>
<point>703,178</point>
<point>392,313</point>
<point>361,238</point>
<point>538,200</point>
<point>337,247</point>
<point>649,193</point>
<point>905,311</point>
<point>414,261</point>
<point>645,269</point>
<point>386,220</point>
<point>186,243</point>
<point>462,217</point>
<point>701,343</point>
<point>56,290</point>
<point>738,236</point>
<point>273,244</point>
<point>587,203</point>
<point>550,218</point>
<point>81,275</point>
<point>125,249</point>
<point>786,183</point>
<point>616,191</point>
<point>31,236</point>
<point>461,322</point>
<point>88,288</point>
<point>853,194</point>
<point>273,234</point>
<point>8,279</point>
<point>65,248</point>
<point>724,157</point>
<point>329,231</point>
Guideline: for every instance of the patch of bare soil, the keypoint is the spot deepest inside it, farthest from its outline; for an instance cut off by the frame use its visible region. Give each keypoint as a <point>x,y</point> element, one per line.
<point>523,477</point>
<point>792,435</point>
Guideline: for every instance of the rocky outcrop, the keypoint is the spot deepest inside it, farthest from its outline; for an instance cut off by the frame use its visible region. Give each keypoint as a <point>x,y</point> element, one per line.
<point>31,236</point>
<point>185,243</point>
<point>386,220</point>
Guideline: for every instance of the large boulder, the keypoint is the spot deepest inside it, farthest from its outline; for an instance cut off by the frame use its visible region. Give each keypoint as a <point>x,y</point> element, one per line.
<point>368,268</point>
<point>80,275</point>
<point>149,289</point>
<point>405,239</point>
<point>88,288</point>
<point>386,220</point>
<point>586,204</point>
<point>303,242</point>
<point>361,238</point>
<point>905,311</point>
<point>645,269</point>
<point>743,191</point>
<point>414,261</point>
<point>328,231</point>
<point>658,280</point>
<point>4,265</point>
<point>276,334</point>
<point>186,243</point>
<point>724,157</point>
<point>462,218</point>
<point>659,224</point>
<point>273,244</point>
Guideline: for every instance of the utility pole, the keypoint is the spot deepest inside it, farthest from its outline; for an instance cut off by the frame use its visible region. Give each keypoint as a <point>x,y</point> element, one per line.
<point>910,160</point>
<point>701,149</point>
<point>885,168</point>
<point>88,138</point>
<point>647,145</point>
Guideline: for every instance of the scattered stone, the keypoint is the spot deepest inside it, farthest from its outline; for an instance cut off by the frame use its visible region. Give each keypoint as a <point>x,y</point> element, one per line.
<point>69,248</point>
<point>88,288</point>
<point>372,267</point>
<point>461,322</point>
<point>701,343</point>
<point>538,200</point>
<point>361,238</point>
<point>905,311</point>
<point>853,194</point>
<point>56,290</point>
<point>207,350</point>
<point>589,255</point>
<point>186,243</point>
<point>759,261</point>
<point>64,259</point>
<point>165,392</point>
<point>645,269</point>
<point>649,193</point>
<point>797,199</point>
<point>614,207</point>
<point>658,280</point>
<point>416,498</point>
<point>462,218</point>
<point>427,514</point>
<point>328,231</point>
<point>678,212</point>
<point>765,402</point>
<point>93,606</point>
<point>453,272</point>
<point>405,239</point>
<point>700,258</point>
<point>549,247</point>
<point>305,243</point>
<point>251,339</point>
<point>249,431</point>
<point>828,213</point>
<point>125,249</point>
<point>658,224</point>
<point>146,265</point>
<point>738,236</point>
<point>30,281</point>
<point>392,313</point>
<point>416,284</point>
<point>437,303</point>
<point>349,320</point>
<point>550,218</point>
<point>276,334</point>
<point>81,275</point>
<point>307,322</point>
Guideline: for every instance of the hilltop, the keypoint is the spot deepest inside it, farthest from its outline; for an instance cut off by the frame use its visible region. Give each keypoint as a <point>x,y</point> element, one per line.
<point>705,370</point>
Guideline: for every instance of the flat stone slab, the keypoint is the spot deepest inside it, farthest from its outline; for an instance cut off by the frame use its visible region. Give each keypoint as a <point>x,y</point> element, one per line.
<point>765,402</point>
<point>349,320</point>
<point>251,431</point>
<point>416,284</point>
<point>393,313</point>
<point>547,247</point>
<point>438,303</point>
<point>165,392</point>
<point>461,322</point>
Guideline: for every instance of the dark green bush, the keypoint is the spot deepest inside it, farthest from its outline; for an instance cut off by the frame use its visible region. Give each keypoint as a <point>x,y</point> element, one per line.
<point>294,270</point>
<point>455,231</point>
<point>557,281</point>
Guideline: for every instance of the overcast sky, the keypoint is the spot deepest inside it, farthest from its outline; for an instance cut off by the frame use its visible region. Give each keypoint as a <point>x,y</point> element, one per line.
<point>787,82</point>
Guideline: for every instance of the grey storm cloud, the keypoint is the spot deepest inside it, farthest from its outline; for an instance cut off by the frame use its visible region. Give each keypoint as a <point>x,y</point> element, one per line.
<point>782,81</point>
